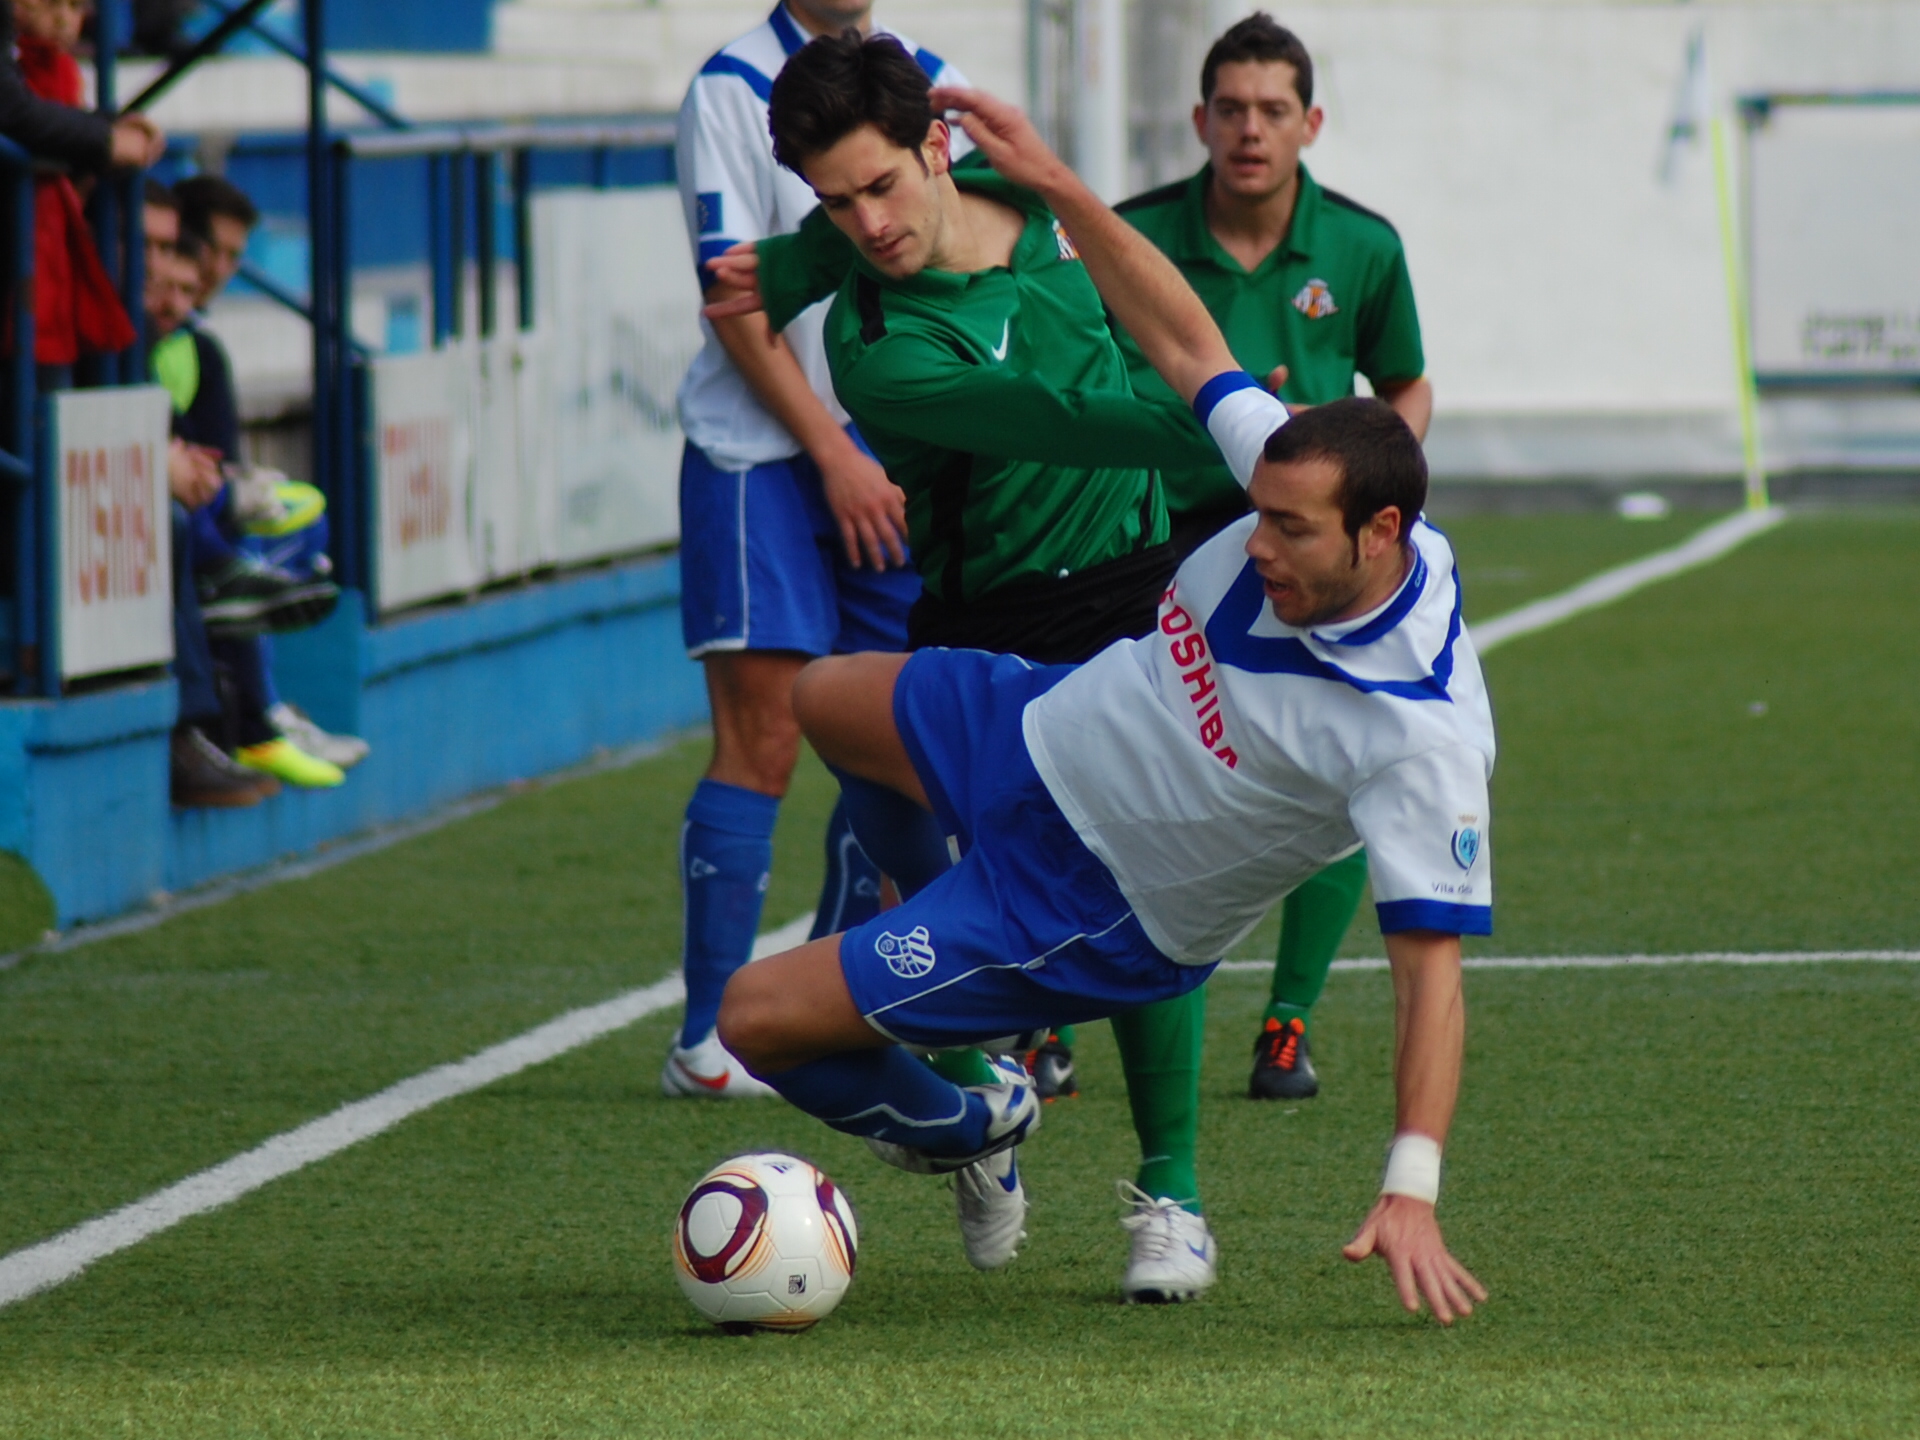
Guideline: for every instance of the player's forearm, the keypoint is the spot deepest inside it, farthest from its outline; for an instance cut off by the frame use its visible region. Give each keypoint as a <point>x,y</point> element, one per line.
<point>1146,294</point>
<point>1429,1030</point>
<point>778,382</point>
<point>1412,400</point>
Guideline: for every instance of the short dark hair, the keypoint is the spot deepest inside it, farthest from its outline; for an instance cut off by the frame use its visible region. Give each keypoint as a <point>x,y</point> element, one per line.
<point>838,83</point>
<point>204,196</point>
<point>1265,40</point>
<point>159,196</point>
<point>1380,462</point>
<point>191,245</point>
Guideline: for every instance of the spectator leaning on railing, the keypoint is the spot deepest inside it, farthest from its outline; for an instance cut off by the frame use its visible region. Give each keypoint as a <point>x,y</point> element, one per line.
<point>81,138</point>
<point>76,309</point>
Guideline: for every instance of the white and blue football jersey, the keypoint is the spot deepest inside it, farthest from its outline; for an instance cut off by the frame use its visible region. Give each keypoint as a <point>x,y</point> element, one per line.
<point>732,190</point>
<point>1226,757</point>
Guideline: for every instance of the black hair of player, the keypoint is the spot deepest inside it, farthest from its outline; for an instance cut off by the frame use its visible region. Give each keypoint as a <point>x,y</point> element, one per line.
<point>159,196</point>
<point>204,196</point>
<point>1380,461</point>
<point>1261,39</point>
<point>838,83</point>
<point>191,245</point>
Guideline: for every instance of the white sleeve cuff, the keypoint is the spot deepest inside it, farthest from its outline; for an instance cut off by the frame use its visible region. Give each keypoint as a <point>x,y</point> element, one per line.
<point>1241,417</point>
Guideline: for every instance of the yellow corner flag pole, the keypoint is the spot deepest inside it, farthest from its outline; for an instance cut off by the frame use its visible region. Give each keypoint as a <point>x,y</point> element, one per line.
<point>1737,309</point>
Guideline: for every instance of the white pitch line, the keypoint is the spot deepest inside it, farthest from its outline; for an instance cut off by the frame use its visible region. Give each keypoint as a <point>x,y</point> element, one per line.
<point>58,1260</point>
<point>1610,585</point>
<point>53,1262</point>
<point>1613,962</point>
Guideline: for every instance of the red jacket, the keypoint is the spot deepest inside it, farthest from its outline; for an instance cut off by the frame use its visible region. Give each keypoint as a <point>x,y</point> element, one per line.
<point>76,310</point>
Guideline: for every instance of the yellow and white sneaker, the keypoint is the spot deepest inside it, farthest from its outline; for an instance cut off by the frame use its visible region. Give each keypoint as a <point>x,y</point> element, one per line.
<point>708,1071</point>
<point>282,758</point>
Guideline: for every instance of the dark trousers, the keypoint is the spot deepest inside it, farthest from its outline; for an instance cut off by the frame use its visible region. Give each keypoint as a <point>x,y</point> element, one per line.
<point>192,655</point>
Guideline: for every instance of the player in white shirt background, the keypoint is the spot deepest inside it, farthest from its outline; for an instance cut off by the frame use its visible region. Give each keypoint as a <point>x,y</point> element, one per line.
<point>792,537</point>
<point>1309,688</point>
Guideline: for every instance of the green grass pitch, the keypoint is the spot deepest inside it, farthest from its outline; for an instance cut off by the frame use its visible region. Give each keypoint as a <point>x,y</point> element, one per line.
<point>1689,1189</point>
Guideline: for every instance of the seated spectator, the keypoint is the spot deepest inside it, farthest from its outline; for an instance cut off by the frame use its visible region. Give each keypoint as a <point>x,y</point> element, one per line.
<point>286,524</point>
<point>77,311</point>
<point>201,773</point>
<point>254,594</point>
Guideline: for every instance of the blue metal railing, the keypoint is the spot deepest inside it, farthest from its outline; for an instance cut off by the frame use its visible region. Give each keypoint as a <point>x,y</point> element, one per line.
<point>464,166</point>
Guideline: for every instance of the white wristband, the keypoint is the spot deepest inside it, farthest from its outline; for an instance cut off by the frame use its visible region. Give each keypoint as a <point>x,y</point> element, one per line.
<point>1413,1167</point>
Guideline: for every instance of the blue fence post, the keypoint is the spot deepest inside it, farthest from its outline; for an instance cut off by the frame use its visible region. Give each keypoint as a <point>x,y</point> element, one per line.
<point>320,257</point>
<point>457,242</point>
<point>350,500</point>
<point>35,567</point>
<point>484,181</point>
<point>523,234</point>
<point>439,243</point>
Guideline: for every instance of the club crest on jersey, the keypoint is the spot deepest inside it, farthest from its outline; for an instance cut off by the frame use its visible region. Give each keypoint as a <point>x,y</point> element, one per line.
<point>1466,846</point>
<point>1315,300</point>
<point>910,955</point>
<point>1065,242</point>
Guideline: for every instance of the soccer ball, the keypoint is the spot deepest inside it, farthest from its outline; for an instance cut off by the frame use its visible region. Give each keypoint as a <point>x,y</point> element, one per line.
<point>765,1242</point>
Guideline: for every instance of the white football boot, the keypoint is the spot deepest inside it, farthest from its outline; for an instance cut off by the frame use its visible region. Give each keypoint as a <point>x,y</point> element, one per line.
<point>1014,1111</point>
<point>993,1210</point>
<point>708,1070</point>
<point>1174,1257</point>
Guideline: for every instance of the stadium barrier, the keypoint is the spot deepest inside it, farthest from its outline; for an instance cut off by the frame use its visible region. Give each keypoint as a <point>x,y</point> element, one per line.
<point>501,507</point>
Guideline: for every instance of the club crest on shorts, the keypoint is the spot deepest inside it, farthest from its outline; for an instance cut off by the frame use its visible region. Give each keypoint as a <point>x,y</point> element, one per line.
<point>1315,300</point>
<point>910,955</point>
<point>1466,846</point>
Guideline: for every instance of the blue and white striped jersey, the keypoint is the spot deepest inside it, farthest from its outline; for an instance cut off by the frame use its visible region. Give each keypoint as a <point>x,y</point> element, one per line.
<point>1223,759</point>
<point>732,190</point>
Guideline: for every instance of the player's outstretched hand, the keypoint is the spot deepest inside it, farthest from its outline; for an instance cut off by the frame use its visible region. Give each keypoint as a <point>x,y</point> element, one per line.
<point>871,510</point>
<point>1005,136</point>
<point>1402,1231</point>
<point>735,269</point>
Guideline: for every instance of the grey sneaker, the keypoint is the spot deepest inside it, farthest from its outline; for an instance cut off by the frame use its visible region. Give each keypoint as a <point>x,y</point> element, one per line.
<point>346,751</point>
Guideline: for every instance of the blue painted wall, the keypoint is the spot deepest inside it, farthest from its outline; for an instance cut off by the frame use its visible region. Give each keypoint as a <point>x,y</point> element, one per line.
<point>454,700</point>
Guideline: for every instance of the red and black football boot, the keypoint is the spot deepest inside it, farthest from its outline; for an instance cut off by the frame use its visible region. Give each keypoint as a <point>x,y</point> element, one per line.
<point>1052,1068</point>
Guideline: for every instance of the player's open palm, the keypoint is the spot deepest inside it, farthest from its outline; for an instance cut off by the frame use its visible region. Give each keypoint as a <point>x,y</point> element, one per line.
<point>1403,1232</point>
<point>1003,133</point>
<point>870,509</point>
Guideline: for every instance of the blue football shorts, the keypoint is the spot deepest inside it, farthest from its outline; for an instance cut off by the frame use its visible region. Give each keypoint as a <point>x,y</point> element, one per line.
<point>1029,930</point>
<point>763,567</point>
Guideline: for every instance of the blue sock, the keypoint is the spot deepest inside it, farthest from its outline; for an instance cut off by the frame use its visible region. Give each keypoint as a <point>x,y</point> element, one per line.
<point>726,854</point>
<point>901,838</point>
<point>850,895</point>
<point>889,1095</point>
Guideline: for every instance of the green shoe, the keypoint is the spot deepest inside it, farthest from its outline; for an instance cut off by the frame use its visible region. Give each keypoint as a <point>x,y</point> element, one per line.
<point>283,758</point>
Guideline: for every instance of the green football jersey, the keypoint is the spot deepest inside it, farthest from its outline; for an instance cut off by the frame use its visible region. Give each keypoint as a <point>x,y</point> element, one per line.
<point>1333,298</point>
<point>999,401</point>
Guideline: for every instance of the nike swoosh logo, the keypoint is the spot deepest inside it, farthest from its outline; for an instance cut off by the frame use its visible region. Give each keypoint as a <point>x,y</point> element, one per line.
<point>1012,1182</point>
<point>1006,333</point>
<point>1199,1252</point>
<point>718,1083</point>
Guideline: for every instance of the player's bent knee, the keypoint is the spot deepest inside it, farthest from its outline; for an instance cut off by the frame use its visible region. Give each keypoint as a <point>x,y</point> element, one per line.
<point>749,1023</point>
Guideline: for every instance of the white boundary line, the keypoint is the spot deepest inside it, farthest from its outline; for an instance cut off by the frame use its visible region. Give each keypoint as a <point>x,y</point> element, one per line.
<point>1610,585</point>
<point>1616,962</point>
<point>58,1260</point>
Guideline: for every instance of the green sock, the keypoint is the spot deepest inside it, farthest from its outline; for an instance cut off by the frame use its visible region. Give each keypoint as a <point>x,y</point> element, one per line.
<point>963,1067</point>
<point>1313,922</point>
<point>1160,1052</point>
<point>1066,1033</point>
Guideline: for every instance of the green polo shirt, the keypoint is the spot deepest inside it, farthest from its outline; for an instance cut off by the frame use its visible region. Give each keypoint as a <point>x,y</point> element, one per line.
<point>1333,298</point>
<point>998,400</point>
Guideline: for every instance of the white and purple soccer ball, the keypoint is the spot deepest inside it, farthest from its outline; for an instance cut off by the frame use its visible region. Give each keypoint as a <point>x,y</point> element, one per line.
<point>765,1242</point>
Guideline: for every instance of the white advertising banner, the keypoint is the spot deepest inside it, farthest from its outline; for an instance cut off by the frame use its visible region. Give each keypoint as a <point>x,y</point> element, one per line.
<point>115,536</point>
<point>504,543</point>
<point>423,464</point>
<point>618,307</point>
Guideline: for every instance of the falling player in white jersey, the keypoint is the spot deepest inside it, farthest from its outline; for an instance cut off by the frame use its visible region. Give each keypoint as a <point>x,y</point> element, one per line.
<point>1308,689</point>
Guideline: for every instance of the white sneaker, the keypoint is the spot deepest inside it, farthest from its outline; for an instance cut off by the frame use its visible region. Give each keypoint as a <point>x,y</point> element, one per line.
<point>993,1210</point>
<point>346,751</point>
<point>1174,1256</point>
<point>708,1070</point>
<point>1015,1112</point>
